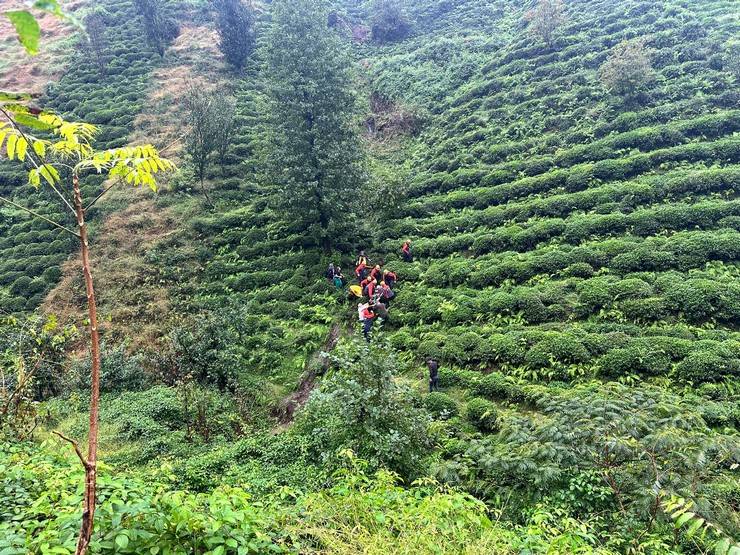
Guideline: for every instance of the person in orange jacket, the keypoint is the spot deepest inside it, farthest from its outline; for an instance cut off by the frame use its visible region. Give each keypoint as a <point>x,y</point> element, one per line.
<point>406,251</point>
<point>368,315</point>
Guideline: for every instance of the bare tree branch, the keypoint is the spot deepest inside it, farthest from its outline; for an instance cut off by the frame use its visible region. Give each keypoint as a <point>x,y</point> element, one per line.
<point>76,446</point>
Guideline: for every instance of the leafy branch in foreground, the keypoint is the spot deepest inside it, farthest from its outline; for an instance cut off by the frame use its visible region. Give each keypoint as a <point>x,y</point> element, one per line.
<point>685,517</point>
<point>52,147</point>
<point>27,27</point>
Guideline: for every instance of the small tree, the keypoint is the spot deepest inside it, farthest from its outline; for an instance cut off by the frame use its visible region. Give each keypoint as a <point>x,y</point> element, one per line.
<point>235,25</point>
<point>361,407</point>
<point>390,22</point>
<point>546,18</point>
<point>95,41</point>
<point>732,58</point>
<point>627,71</point>
<point>211,119</point>
<point>158,27</point>
<point>63,157</point>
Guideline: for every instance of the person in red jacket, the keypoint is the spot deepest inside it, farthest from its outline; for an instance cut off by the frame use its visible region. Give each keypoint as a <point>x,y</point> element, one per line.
<point>406,251</point>
<point>361,270</point>
<point>368,315</point>
<point>370,289</point>
<point>376,273</point>
<point>389,278</point>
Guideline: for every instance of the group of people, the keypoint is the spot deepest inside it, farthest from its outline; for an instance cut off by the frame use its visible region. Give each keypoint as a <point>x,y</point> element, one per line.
<point>375,284</point>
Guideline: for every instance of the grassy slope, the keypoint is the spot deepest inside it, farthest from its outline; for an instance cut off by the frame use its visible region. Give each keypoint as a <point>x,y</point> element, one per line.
<point>31,251</point>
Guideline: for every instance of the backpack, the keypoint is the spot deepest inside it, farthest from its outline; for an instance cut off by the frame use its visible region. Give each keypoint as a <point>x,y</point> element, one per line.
<point>360,309</point>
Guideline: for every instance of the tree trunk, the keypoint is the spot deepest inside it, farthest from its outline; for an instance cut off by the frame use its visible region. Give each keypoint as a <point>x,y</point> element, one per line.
<point>88,510</point>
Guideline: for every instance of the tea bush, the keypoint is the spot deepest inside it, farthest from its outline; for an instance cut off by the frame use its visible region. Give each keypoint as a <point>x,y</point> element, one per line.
<point>483,414</point>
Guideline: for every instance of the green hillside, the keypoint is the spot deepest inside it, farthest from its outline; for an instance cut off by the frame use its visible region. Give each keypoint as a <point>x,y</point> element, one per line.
<point>576,274</point>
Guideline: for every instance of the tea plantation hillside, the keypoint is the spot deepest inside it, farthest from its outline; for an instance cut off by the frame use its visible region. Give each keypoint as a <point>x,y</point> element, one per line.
<point>566,174</point>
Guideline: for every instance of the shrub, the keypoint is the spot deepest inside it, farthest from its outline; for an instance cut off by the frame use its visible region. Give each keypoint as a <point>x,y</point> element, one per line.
<point>361,407</point>
<point>558,347</point>
<point>483,414</point>
<point>628,69</point>
<point>493,385</point>
<point>390,22</point>
<point>118,371</point>
<point>706,366</point>
<point>235,25</point>
<point>579,269</point>
<point>450,377</point>
<point>634,360</point>
<point>440,405</point>
<point>21,287</point>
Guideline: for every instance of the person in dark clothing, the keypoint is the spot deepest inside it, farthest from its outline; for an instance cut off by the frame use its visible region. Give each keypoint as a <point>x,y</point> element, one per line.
<point>362,259</point>
<point>406,252</point>
<point>331,272</point>
<point>368,315</point>
<point>339,280</point>
<point>433,365</point>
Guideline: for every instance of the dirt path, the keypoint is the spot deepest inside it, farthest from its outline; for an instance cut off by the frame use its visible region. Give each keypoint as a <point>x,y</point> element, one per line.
<point>315,366</point>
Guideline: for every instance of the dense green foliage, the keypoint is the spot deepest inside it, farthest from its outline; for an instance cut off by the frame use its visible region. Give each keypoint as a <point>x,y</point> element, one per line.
<point>312,150</point>
<point>568,181</point>
<point>235,24</point>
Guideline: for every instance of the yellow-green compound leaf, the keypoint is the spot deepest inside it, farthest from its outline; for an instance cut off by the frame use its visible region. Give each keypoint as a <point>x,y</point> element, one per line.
<point>12,140</point>
<point>39,148</point>
<point>20,148</point>
<point>30,120</point>
<point>27,28</point>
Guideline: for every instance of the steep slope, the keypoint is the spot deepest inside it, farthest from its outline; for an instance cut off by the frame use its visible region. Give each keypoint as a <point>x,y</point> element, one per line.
<point>576,261</point>
<point>572,226</point>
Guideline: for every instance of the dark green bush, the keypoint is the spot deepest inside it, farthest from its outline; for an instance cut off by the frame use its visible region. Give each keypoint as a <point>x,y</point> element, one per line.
<point>483,414</point>
<point>707,366</point>
<point>440,405</point>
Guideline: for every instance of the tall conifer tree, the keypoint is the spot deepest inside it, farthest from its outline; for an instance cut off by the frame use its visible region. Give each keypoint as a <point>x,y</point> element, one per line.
<point>313,155</point>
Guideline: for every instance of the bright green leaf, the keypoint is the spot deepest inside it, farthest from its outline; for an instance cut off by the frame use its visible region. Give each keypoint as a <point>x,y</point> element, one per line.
<point>694,526</point>
<point>12,140</point>
<point>122,541</point>
<point>722,547</point>
<point>27,28</point>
